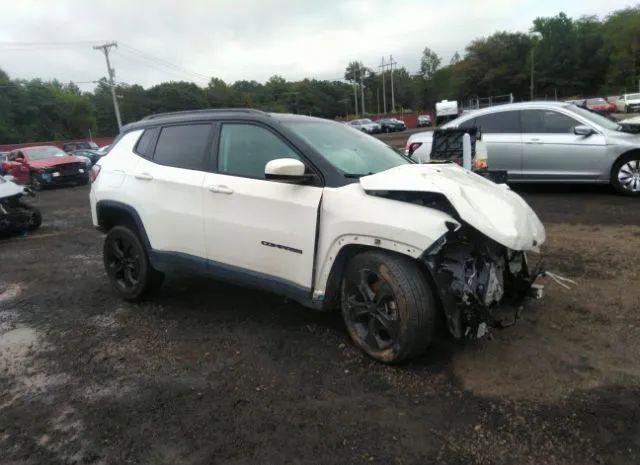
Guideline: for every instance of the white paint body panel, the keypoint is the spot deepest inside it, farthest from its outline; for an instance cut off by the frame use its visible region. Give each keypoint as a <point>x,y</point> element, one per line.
<point>493,209</point>
<point>9,188</point>
<point>351,216</point>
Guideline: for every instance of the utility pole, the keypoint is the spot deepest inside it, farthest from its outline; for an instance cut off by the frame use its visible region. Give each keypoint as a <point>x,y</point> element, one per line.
<point>384,92</point>
<point>533,55</point>
<point>393,99</point>
<point>112,74</point>
<point>355,96</point>
<point>378,99</point>
<point>361,68</point>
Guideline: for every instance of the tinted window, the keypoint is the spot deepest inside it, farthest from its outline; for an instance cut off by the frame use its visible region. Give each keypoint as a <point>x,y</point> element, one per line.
<point>146,142</point>
<point>245,149</point>
<point>547,122</point>
<point>504,122</point>
<point>470,123</point>
<point>183,146</point>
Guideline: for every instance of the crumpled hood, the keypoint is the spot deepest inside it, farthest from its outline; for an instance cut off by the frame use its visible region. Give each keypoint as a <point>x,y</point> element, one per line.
<point>54,161</point>
<point>493,209</point>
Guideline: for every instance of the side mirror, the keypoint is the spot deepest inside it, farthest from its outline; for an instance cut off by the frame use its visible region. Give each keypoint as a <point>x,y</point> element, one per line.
<point>582,131</point>
<point>286,170</point>
<point>19,160</point>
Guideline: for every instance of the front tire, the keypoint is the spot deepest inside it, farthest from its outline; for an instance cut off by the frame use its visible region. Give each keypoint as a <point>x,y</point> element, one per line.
<point>388,306</point>
<point>625,175</point>
<point>127,265</point>
<point>35,182</point>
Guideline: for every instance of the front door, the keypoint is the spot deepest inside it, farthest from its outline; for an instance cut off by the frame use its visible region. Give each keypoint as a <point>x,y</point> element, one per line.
<point>265,230</point>
<point>553,152</point>
<point>16,166</point>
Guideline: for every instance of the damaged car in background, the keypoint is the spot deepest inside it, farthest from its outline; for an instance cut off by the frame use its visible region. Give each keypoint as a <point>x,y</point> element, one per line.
<point>314,211</point>
<point>16,215</point>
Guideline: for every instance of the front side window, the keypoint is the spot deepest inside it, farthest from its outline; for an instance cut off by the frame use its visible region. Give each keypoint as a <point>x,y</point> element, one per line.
<point>470,123</point>
<point>245,150</point>
<point>183,146</point>
<point>352,152</point>
<point>504,122</point>
<point>547,122</point>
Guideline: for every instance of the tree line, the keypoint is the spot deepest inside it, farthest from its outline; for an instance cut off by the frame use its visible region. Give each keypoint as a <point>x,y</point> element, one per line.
<point>585,56</point>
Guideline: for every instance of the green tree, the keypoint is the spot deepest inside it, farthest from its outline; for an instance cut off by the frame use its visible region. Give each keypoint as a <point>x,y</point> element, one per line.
<point>429,63</point>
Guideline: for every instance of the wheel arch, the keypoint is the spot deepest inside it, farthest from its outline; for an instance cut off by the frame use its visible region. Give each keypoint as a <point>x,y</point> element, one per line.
<point>633,151</point>
<point>111,213</point>
<point>331,288</point>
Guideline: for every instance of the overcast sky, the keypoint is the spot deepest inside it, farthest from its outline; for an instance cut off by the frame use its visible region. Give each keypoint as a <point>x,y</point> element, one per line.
<point>242,39</point>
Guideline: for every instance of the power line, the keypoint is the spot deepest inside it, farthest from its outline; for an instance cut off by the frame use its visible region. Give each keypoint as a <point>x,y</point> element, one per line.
<point>136,60</point>
<point>163,62</point>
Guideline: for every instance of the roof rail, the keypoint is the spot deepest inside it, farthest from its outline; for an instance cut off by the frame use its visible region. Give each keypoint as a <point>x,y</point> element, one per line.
<point>204,110</point>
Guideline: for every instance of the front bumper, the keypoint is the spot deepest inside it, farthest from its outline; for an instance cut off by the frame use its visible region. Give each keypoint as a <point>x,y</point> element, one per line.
<point>474,276</point>
<point>53,176</point>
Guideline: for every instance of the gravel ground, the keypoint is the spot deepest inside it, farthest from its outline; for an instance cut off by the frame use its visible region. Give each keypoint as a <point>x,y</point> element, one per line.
<point>211,373</point>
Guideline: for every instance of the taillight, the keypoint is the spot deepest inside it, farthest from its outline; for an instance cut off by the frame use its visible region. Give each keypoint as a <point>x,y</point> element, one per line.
<point>413,147</point>
<point>480,164</point>
<point>94,172</point>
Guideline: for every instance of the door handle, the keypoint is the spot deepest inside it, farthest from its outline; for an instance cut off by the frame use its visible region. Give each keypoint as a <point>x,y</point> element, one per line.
<point>535,140</point>
<point>221,190</point>
<point>143,176</point>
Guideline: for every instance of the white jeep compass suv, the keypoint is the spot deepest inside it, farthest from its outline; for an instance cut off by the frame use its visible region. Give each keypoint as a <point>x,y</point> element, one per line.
<point>312,210</point>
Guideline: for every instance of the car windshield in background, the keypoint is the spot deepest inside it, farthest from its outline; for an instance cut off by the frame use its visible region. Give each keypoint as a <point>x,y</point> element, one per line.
<point>633,96</point>
<point>596,101</point>
<point>595,118</point>
<point>366,121</point>
<point>353,153</point>
<point>45,152</point>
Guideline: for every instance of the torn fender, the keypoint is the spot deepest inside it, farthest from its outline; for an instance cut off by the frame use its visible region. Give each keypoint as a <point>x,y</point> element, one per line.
<point>493,209</point>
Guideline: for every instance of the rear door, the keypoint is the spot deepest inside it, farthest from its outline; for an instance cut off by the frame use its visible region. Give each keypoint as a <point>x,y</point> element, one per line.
<point>261,228</point>
<point>502,133</point>
<point>553,152</point>
<point>170,188</point>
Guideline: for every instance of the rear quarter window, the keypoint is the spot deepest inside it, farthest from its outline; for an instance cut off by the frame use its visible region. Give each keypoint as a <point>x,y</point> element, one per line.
<point>183,146</point>
<point>146,143</point>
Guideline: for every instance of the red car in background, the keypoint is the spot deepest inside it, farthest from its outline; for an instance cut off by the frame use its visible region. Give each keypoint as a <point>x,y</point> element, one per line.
<point>600,104</point>
<point>45,166</point>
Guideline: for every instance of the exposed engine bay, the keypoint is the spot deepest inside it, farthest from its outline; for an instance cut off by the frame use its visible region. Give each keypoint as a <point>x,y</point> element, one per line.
<point>473,275</point>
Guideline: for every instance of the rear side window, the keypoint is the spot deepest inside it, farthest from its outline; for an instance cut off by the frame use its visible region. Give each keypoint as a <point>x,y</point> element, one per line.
<point>146,142</point>
<point>547,122</point>
<point>183,146</point>
<point>470,123</point>
<point>504,122</point>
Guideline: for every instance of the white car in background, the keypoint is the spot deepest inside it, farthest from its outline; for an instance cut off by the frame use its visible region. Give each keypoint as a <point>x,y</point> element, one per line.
<point>366,125</point>
<point>628,103</point>
<point>550,142</point>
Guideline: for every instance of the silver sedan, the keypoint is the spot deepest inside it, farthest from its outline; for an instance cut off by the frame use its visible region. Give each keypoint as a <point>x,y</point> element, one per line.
<point>550,142</point>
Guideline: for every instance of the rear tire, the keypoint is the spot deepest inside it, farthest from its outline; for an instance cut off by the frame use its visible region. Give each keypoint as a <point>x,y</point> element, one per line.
<point>388,306</point>
<point>35,183</point>
<point>127,265</point>
<point>625,175</point>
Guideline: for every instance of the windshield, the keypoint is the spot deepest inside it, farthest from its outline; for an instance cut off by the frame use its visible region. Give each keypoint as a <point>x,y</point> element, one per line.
<point>595,118</point>
<point>596,101</point>
<point>352,152</point>
<point>45,152</point>
<point>366,121</point>
<point>633,96</point>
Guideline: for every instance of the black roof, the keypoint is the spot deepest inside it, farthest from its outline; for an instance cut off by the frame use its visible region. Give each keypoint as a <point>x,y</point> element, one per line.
<point>212,114</point>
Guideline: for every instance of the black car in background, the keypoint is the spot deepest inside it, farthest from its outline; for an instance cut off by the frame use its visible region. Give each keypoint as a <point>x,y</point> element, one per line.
<point>82,145</point>
<point>93,155</point>
<point>3,157</point>
<point>392,125</point>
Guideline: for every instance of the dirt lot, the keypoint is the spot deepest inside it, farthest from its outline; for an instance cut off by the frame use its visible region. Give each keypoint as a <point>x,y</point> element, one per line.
<point>211,373</point>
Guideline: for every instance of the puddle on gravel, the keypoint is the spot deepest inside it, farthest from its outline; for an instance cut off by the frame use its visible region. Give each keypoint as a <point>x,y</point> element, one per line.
<point>9,292</point>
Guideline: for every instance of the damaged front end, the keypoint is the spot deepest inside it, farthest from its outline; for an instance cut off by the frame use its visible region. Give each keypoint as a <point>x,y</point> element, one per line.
<point>474,275</point>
